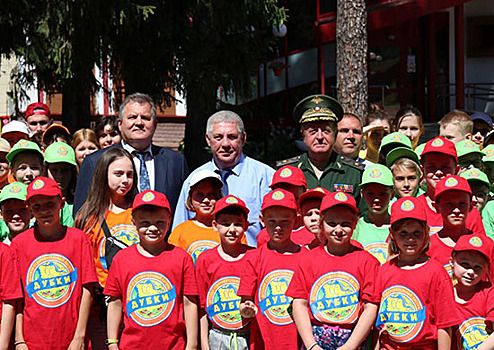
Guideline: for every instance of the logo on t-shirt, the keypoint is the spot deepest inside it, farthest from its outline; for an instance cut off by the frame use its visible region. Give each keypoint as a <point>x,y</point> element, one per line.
<point>401,314</point>
<point>379,250</point>
<point>150,298</point>
<point>199,247</point>
<point>50,280</point>
<point>471,333</point>
<point>125,233</point>
<point>223,304</point>
<point>272,300</point>
<point>334,298</point>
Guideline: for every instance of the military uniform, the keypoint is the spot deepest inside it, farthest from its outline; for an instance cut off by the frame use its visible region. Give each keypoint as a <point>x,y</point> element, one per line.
<point>341,174</point>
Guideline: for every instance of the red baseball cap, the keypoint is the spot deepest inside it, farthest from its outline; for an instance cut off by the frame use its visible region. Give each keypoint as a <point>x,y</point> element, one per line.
<point>408,208</point>
<point>481,244</point>
<point>317,193</point>
<point>338,198</point>
<point>289,175</point>
<point>37,108</point>
<point>230,201</point>
<point>440,145</point>
<point>43,186</point>
<point>452,183</point>
<point>150,197</point>
<point>279,198</point>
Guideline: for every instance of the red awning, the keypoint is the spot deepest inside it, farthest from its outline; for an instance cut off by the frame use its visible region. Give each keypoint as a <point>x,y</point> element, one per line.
<point>384,13</point>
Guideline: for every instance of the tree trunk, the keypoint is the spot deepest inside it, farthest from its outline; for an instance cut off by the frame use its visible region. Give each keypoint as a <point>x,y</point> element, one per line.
<point>351,52</point>
<point>76,111</point>
<point>200,106</point>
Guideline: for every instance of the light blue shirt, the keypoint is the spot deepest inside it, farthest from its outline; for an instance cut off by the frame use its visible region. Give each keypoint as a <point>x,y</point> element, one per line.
<point>249,181</point>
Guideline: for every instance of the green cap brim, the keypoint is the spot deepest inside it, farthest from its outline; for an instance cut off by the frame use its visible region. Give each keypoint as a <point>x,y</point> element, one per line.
<point>401,152</point>
<point>15,190</point>
<point>377,174</point>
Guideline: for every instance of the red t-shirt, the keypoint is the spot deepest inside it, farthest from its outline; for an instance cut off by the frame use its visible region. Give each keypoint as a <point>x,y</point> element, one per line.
<point>335,286</point>
<point>266,278</point>
<point>10,281</point>
<point>300,236</point>
<point>473,315</point>
<point>422,296</point>
<point>152,291</point>
<point>217,283</point>
<point>53,273</point>
<point>435,220</point>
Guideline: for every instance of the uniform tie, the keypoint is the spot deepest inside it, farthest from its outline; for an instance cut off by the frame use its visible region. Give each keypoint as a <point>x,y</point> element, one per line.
<point>144,183</point>
<point>224,176</point>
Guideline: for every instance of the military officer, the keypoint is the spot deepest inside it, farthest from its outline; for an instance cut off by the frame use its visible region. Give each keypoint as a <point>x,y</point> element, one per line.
<point>318,116</point>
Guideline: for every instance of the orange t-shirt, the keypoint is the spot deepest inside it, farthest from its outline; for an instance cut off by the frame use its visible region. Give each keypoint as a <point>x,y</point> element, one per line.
<point>121,227</point>
<point>194,239</point>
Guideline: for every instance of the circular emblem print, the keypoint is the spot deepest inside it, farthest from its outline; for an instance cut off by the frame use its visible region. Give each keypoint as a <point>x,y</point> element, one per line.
<point>489,152</point>
<point>15,189</point>
<point>476,242</point>
<point>150,298</point>
<point>272,300</point>
<point>285,173</point>
<point>38,184</point>
<point>124,233</point>
<point>397,137</point>
<point>437,143</point>
<point>474,173</point>
<point>469,144</point>
<point>231,200</point>
<point>63,151</point>
<point>375,173</point>
<point>22,144</point>
<point>379,250</point>
<point>50,280</point>
<point>407,205</point>
<point>401,314</point>
<point>471,333</point>
<point>451,182</point>
<point>223,304</point>
<point>278,195</point>
<point>334,298</point>
<point>198,247</point>
<point>341,197</point>
<point>148,197</point>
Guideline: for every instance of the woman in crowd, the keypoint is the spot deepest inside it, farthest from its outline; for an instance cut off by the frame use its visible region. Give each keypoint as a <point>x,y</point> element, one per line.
<point>107,131</point>
<point>408,121</point>
<point>84,142</point>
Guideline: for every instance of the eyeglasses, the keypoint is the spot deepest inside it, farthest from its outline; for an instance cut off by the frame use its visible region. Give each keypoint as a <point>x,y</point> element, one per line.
<point>482,132</point>
<point>41,122</point>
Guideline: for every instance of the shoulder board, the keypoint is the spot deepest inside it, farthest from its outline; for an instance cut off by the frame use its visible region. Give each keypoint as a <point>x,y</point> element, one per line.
<point>288,161</point>
<point>353,163</point>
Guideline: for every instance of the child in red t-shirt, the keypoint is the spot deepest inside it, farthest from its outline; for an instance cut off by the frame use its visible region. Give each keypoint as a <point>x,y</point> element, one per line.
<point>58,275</point>
<point>474,295</point>
<point>416,310</point>
<point>334,303</point>
<point>154,283</point>
<point>439,159</point>
<point>291,179</point>
<point>309,203</point>
<point>269,272</point>
<point>197,235</point>
<point>453,202</point>
<point>218,274</point>
<point>10,292</point>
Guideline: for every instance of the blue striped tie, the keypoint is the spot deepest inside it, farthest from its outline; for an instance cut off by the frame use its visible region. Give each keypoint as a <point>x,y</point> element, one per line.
<point>144,183</point>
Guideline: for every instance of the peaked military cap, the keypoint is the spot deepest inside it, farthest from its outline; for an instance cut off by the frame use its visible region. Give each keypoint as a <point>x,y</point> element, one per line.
<point>317,108</point>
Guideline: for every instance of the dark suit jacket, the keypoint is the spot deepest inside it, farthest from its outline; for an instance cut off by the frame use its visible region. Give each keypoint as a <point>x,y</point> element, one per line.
<point>170,171</point>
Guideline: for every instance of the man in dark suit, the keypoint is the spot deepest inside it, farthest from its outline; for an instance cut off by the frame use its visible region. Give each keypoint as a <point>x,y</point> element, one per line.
<point>158,168</point>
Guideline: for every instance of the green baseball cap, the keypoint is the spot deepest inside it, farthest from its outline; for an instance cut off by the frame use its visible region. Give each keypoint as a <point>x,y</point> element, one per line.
<point>377,174</point>
<point>22,146</point>
<point>419,149</point>
<point>401,152</point>
<point>474,174</point>
<point>488,154</point>
<point>316,108</point>
<point>397,139</point>
<point>15,190</point>
<point>60,152</point>
<point>465,147</point>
